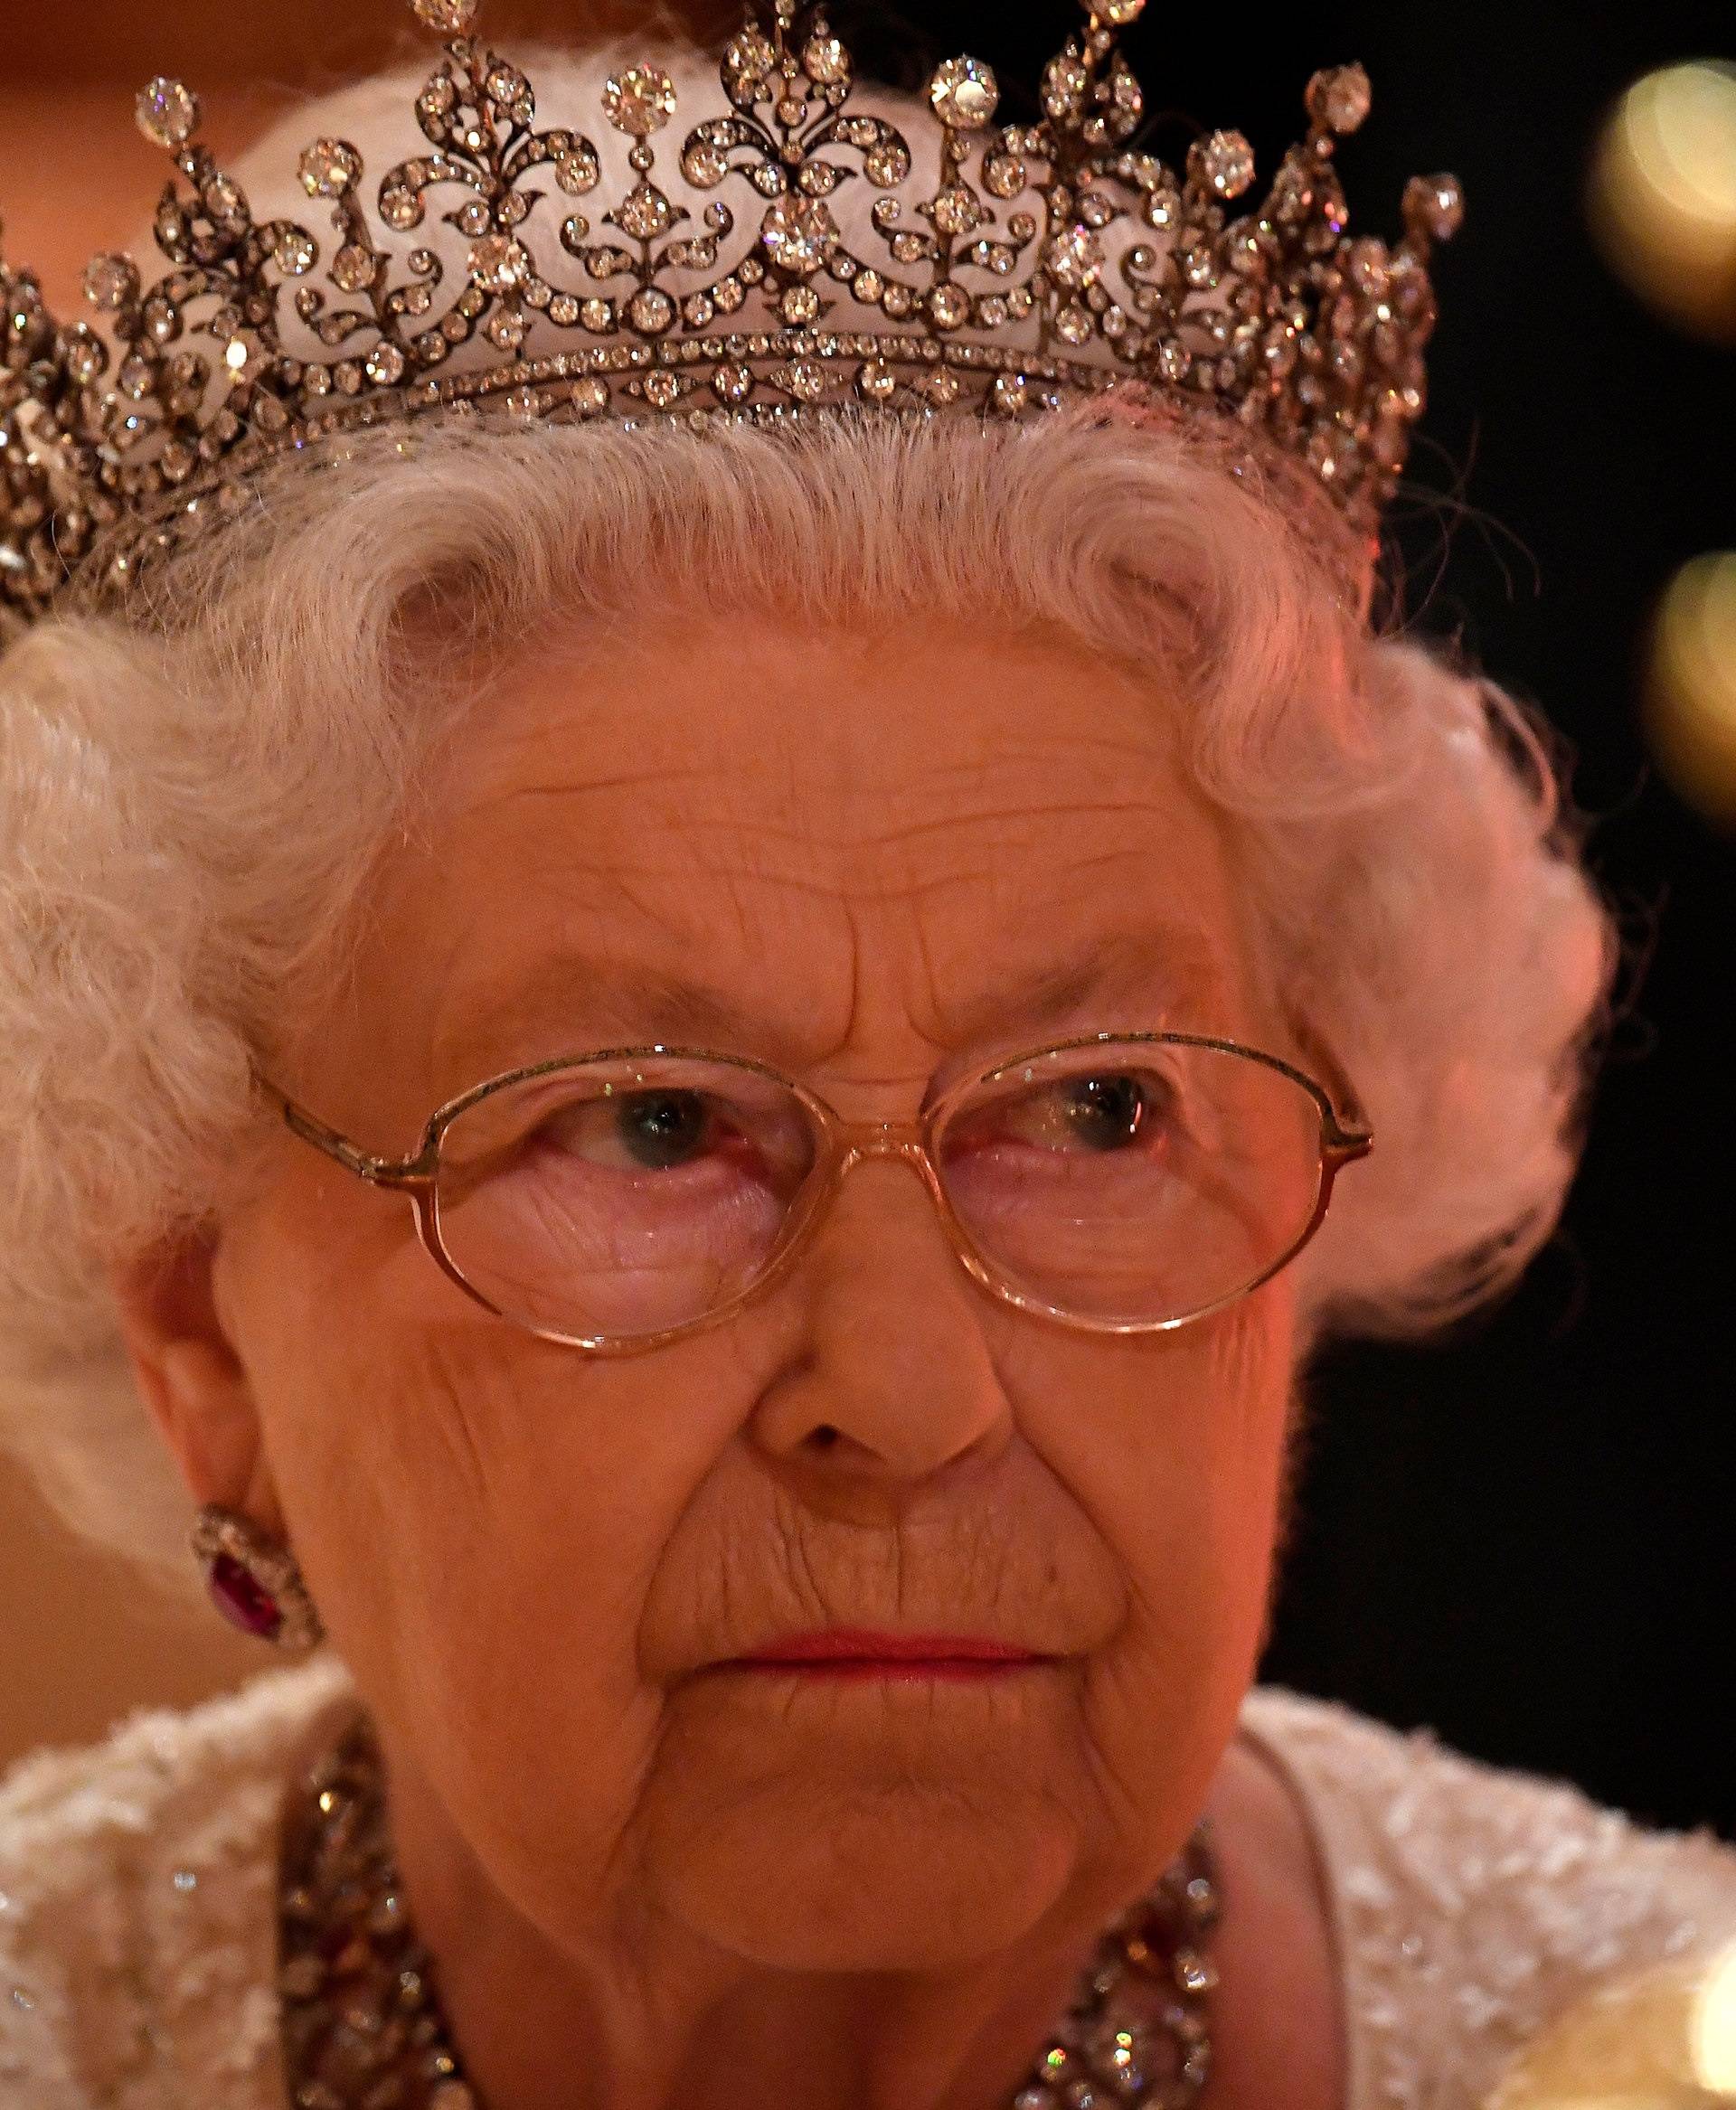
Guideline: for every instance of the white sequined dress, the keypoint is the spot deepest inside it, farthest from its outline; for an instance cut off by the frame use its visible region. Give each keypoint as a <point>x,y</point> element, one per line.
<point>1470,1906</point>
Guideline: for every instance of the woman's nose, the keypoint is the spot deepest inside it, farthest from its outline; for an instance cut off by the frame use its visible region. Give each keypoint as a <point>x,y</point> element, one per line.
<point>892,1374</point>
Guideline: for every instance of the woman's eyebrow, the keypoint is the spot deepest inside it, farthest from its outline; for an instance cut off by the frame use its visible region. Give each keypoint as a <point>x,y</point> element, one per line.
<point>1165,965</point>
<point>594,1003</point>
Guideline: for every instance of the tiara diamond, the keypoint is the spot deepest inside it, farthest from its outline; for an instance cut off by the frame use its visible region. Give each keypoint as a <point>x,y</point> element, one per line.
<point>786,253</point>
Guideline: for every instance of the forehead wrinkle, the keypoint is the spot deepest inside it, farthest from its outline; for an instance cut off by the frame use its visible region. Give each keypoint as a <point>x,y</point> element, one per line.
<point>1163,973</point>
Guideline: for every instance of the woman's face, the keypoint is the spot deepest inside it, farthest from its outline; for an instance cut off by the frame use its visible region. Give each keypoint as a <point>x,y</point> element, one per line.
<point>535,1560</point>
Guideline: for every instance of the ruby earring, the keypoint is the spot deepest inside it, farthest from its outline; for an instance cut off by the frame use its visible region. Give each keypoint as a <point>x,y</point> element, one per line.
<point>253,1581</point>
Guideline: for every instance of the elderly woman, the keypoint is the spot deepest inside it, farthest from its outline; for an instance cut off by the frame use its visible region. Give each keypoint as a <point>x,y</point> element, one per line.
<point>692,1066</point>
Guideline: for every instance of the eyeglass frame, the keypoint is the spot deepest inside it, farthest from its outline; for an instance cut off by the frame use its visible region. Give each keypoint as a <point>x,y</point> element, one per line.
<point>843,1145</point>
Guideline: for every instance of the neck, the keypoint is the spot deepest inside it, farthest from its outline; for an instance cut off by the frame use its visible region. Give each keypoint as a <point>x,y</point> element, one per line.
<point>636,2012</point>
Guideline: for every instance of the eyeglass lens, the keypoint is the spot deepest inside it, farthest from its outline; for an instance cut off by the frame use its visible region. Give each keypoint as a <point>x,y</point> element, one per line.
<point>1126,1182</point>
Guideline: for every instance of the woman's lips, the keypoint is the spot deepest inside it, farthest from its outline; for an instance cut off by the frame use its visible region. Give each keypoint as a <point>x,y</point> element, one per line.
<point>855,1652</point>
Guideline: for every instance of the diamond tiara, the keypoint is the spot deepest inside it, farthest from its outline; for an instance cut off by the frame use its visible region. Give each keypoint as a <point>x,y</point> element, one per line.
<point>1000,270</point>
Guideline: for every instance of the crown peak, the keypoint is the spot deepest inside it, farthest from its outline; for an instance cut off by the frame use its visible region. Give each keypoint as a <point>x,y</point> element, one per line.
<point>167,111</point>
<point>449,18</point>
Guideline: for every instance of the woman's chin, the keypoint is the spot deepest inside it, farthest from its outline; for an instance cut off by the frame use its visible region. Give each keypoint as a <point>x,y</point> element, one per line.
<point>906,1876</point>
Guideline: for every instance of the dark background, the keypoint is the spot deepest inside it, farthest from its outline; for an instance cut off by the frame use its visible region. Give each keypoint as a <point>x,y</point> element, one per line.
<point>1522,1537</point>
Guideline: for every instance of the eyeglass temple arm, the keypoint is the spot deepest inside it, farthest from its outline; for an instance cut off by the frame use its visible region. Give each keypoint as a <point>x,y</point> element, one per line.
<point>378,1172</point>
<point>1343,1146</point>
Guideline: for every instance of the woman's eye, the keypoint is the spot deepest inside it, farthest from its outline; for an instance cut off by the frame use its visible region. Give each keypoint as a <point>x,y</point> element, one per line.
<point>652,1131</point>
<point>662,1129</point>
<point>1107,1113</point>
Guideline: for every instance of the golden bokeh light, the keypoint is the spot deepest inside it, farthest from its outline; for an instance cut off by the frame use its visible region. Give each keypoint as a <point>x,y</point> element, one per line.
<point>1664,2039</point>
<point>1689,694</point>
<point>1662,193</point>
<point>1714,2028</point>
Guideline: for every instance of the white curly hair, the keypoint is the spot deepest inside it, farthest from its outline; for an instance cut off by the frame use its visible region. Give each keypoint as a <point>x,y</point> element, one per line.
<point>192,790</point>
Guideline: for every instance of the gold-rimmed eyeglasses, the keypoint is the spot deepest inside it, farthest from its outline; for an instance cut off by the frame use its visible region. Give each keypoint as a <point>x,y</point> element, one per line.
<point>620,1200</point>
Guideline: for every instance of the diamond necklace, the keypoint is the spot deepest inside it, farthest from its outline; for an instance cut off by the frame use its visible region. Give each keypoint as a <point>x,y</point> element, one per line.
<point>363,2029</point>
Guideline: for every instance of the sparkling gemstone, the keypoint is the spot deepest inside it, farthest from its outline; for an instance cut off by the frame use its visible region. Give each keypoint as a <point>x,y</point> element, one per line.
<point>296,252</point>
<point>876,381</point>
<point>1004,174</point>
<point>1065,84</point>
<point>110,281</point>
<point>799,305</point>
<point>826,60</point>
<point>511,91</point>
<point>1195,1973</point>
<point>1434,206</point>
<point>449,18</point>
<point>1116,13</point>
<point>589,396</point>
<point>732,382</point>
<point>1073,323</point>
<point>353,267</point>
<point>955,211</point>
<point>663,391</point>
<point>650,311</point>
<point>167,111</point>
<point>385,365</point>
<point>1338,97</point>
<point>750,57</point>
<point>639,101</point>
<point>1010,395</point>
<point>887,164</point>
<point>1126,98</point>
<point>799,234</point>
<point>1224,162</point>
<point>644,213</point>
<point>328,168</point>
<point>498,264</point>
<point>806,381</point>
<point>963,94</point>
<point>576,172</point>
<point>1174,362</point>
<point>242,1599</point>
<point>86,356</point>
<point>1331,453</point>
<point>1367,266</point>
<point>1075,256</point>
<point>950,306</point>
<point>704,166</point>
<point>598,316</point>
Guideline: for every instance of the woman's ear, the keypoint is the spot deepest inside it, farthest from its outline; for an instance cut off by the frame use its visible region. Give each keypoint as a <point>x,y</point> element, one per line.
<point>190,1376</point>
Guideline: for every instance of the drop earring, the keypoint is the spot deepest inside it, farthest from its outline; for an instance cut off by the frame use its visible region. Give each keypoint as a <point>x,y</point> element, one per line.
<point>253,1581</point>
